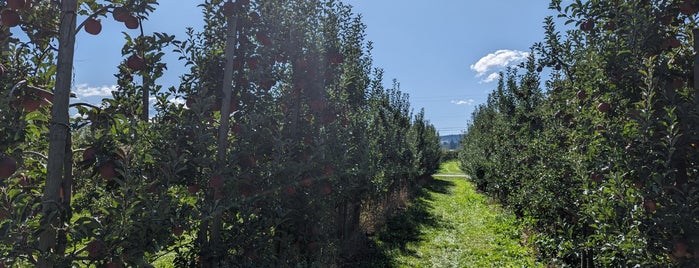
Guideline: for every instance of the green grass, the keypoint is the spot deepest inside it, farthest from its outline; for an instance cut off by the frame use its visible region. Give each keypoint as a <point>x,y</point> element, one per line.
<point>450,225</point>
<point>450,167</point>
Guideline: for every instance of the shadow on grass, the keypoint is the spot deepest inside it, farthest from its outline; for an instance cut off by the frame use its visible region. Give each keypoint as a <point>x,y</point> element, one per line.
<point>439,186</point>
<point>404,228</point>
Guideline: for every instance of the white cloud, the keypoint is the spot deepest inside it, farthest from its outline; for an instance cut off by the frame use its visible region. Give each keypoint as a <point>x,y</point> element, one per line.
<point>83,90</point>
<point>462,102</point>
<point>491,77</point>
<point>177,100</point>
<point>492,63</point>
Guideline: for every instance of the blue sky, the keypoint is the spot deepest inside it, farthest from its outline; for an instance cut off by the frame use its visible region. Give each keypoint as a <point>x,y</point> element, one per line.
<point>443,52</point>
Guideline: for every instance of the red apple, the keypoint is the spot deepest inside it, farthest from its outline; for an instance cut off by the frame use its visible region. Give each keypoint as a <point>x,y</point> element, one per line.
<point>677,83</point>
<point>329,118</point>
<point>131,22</point>
<point>47,95</point>
<point>93,26</point>
<point>235,105</point>
<point>679,249</point>
<point>108,170</point>
<point>190,102</point>
<point>153,188</point>
<point>688,8</point>
<point>177,230</point>
<point>610,26</point>
<point>604,107</point>
<point>336,58</point>
<point>596,177</point>
<point>16,4</point>
<point>24,181</point>
<point>120,14</point>
<point>89,155</point>
<point>307,181</point>
<point>245,190</point>
<point>290,190</point>
<point>254,17</point>
<point>244,2</point>
<point>307,140</point>
<point>236,128</point>
<point>96,249</point>
<point>667,20</point>
<point>237,64</point>
<point>587,25</point>
<point>250,161</point>
<point>135,62</point>
<point>540,68</point>
<point>8,166</point>
<point>31,104</point>
<point>266,84</point>
<point>599,128</point>
<point>672,42</point>
<point>329,170</point>
<point>581,94</point>
<point>10,18</point>
<point>649,205</point>
<point>253,62</point>
<point>263,39</point>
<point>326,190</point>
<point>216,182</point>
<point>193,188</point>
<point>113,265</point>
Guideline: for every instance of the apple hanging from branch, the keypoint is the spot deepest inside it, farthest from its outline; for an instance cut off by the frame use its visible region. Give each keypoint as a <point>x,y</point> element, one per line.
<point>8,166</point>
<point>120,14</point>
<point>93,26</point>
<point>10,18</point>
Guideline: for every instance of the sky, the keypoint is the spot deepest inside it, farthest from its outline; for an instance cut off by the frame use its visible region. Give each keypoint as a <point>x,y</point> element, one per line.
<point>444,53</point>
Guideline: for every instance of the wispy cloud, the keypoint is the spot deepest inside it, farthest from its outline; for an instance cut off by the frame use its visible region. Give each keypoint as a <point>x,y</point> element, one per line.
<point>491,64</point>
<point>462,102</point>
<point>84,90</point>
<point>491,77</point>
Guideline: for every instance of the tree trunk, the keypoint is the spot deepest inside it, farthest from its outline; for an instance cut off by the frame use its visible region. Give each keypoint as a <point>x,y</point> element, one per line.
<point>58,133</point>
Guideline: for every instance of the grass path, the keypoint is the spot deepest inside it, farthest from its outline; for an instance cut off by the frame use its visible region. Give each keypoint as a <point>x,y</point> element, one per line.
<point>451,225</point>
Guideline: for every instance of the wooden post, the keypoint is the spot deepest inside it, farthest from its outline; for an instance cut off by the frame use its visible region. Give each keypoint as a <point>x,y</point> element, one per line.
<point>695,34</point>
<point>227,90</point>
<point>58,132</point>
<point>146,95</point>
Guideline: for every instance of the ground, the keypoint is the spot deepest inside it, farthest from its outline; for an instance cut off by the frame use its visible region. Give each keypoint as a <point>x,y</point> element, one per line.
<point>449,224</point>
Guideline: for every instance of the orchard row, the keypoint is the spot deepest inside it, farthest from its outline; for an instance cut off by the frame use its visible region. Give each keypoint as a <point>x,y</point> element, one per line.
<point>264,155</point>
<point>603,165</point>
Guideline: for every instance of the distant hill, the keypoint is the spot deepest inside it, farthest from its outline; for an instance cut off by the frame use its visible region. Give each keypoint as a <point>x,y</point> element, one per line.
<point>450,142</point>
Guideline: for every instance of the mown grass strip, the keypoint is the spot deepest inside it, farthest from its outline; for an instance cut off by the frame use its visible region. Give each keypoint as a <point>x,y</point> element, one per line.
<point>451,167</point>
<point>451,225</point>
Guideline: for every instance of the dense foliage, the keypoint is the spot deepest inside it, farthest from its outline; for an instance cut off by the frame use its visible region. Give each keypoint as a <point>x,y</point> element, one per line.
<point>274,178</point>
<point>602,164</point>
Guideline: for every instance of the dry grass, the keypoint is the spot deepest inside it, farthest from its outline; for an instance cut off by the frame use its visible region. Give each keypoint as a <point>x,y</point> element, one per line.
<point>376,212</point>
